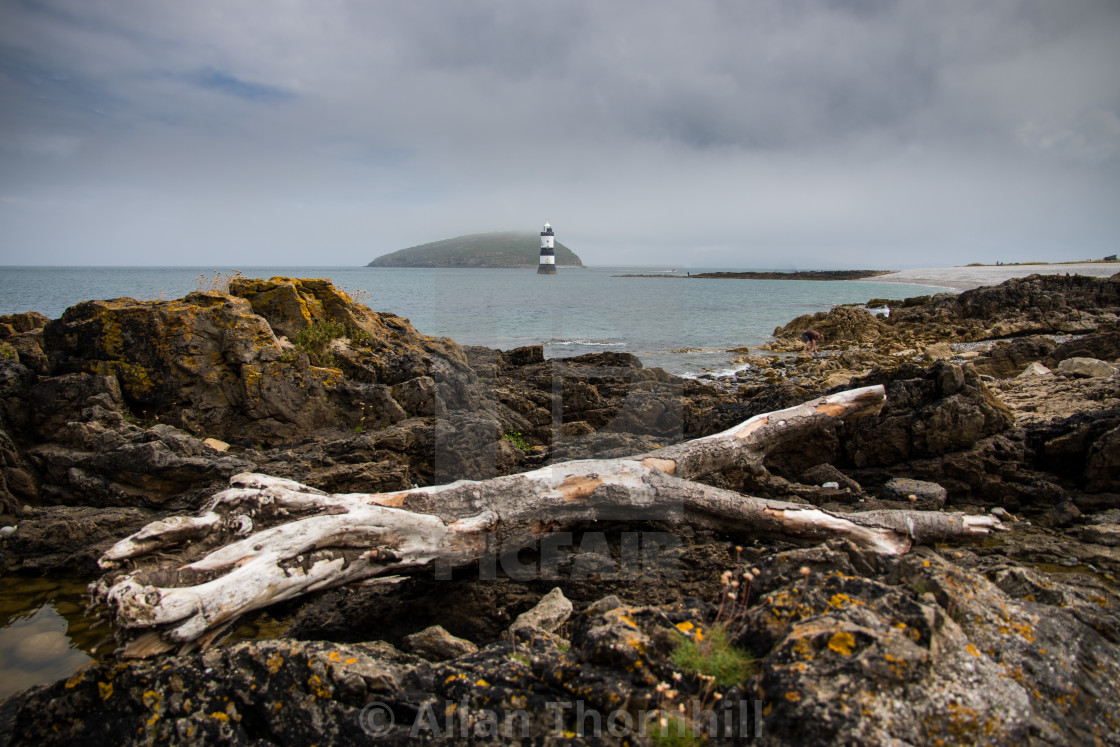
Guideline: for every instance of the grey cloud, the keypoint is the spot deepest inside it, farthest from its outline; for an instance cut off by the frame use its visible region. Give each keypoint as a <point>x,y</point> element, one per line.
<point>837,130</point>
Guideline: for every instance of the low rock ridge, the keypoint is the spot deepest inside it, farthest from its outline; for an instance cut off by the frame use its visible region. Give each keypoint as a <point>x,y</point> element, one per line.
<point>1039,304</point>
<point>847,647</point>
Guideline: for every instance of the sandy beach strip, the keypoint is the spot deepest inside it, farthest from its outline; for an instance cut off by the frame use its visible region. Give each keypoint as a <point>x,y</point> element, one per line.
<point>966,278</point>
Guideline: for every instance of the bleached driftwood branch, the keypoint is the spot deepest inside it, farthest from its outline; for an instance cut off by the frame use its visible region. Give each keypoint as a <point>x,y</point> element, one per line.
<point>266,540</point>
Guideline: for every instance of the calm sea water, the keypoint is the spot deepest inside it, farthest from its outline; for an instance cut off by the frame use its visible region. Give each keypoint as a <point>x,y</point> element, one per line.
<point>570,313</point>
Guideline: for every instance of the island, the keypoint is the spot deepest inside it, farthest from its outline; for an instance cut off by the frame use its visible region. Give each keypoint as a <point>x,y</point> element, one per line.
<point>496,249</point>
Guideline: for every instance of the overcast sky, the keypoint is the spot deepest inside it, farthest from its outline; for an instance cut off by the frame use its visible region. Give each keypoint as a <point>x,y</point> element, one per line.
<point>746,133</point>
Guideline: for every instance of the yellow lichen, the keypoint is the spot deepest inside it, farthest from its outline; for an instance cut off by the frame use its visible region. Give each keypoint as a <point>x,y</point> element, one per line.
<point>73,681</point>
<point>842,642</point>
<point>106,689</point>
<point>273,663</point>
<point>317,687</point>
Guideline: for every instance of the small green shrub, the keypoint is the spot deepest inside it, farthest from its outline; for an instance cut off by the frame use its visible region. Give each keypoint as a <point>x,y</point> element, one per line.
<point>712,655</point>
<point>514,437</point>
<point>314,340</point>
<point>359,336</point>
<point>7,352</point>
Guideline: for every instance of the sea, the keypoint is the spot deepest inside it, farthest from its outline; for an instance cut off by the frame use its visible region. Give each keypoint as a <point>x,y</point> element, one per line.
<point>684,325</point>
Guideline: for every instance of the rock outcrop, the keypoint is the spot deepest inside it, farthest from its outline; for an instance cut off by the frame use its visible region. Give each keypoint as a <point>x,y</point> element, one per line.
<point>1035,305</point>
<point>111,405</point>
<point>848,646</point>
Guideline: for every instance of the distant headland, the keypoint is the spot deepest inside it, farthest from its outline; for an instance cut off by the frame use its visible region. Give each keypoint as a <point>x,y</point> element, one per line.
<point>498,249</point>
<point>798,275</point>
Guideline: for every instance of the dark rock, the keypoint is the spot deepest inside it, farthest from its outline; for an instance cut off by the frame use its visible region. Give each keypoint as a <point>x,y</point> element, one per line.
<point>1102,466</point>
<point>68,538</point>
<point>932,414</point>
<point>921,495</point>
<point>525,356</point>
<point>1063,514</point>
<point>606,360</point>
<point>1082,448</point>
<point>1103,346</point>
<point>418,397</point>
<point>1035,305</point>
<point>922,625</point>
<point>841,326</point>
<point>1038,304</point>
<point>436,644</point>
<point>929,649</point>
<point>130,466</point>
<point>822,473</point>
<point>1008,359</point>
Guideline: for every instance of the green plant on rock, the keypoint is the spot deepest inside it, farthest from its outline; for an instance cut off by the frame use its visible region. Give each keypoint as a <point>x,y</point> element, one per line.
<point>7,352</point>
<point>673,731</point>
<point>359,336</point>
<point>515,438</point>
<point>712,657</point>
<point>315,339</point>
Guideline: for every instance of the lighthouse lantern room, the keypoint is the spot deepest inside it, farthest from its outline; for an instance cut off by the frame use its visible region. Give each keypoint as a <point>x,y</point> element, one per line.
<point>548,252</point>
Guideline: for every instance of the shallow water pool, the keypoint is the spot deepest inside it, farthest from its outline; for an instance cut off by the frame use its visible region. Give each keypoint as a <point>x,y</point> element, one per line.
<point>45,634</point>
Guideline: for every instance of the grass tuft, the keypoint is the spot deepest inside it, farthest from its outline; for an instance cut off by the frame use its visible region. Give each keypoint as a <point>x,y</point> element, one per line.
<point>219,283</point>
<point>713,656</point>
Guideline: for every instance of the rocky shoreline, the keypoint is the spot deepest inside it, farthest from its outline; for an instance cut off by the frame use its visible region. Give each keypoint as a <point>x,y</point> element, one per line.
<point>1001,401</point>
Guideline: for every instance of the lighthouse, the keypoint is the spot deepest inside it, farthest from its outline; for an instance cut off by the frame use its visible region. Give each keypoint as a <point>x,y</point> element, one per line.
<point>548,253</point>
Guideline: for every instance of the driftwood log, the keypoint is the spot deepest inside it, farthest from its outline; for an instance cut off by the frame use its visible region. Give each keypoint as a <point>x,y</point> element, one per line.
<point>182,581</point>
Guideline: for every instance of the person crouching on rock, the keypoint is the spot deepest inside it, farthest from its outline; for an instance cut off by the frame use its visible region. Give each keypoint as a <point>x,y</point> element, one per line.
<point>810,338</point>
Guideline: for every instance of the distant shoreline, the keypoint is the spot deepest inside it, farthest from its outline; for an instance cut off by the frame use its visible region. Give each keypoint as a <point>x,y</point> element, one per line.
<point>974,276</point>
<point>798,275</point>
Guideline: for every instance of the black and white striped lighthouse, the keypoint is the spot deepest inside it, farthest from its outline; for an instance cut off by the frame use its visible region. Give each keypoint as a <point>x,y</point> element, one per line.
<point>548,252</point>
